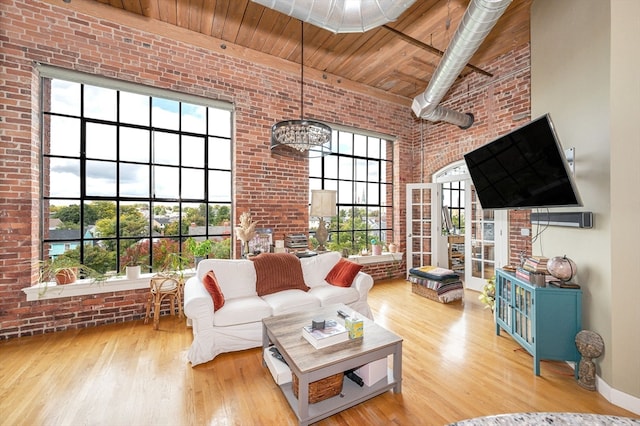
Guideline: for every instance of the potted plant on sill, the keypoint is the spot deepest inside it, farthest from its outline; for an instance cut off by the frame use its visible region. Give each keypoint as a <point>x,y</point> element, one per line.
<point>64,270</point>
<point>376,249</point>
<point>199,249</point>
<point>133,259</point>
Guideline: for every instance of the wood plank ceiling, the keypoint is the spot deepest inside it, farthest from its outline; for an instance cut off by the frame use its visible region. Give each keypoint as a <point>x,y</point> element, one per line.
<point>398,58</point>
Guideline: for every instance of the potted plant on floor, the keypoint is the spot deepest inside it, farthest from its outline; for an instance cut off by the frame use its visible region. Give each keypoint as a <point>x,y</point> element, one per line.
<point>488,295</point>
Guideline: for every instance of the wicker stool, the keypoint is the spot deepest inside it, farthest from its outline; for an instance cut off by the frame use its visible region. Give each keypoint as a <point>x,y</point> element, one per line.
<point>162,287</point>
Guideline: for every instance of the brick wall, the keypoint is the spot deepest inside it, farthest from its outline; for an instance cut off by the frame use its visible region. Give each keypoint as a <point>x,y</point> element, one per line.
<point>499,104</point>
<point>275,191</point>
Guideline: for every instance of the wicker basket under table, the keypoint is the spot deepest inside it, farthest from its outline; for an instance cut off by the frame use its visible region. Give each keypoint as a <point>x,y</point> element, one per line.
<point>321,389</point>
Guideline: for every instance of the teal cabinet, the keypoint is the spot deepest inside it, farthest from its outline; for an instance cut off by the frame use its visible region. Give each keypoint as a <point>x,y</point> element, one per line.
<point>543,320</point>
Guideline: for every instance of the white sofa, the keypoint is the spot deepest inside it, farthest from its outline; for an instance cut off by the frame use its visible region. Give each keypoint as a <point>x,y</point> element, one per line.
<point>237,325</point>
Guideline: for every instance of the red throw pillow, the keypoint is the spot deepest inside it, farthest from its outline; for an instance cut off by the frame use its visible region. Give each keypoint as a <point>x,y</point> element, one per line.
<point>343,273</point>
<point>211,284</point>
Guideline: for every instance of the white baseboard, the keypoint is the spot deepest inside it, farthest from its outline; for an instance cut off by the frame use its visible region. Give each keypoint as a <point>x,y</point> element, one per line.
<point>614,396</point>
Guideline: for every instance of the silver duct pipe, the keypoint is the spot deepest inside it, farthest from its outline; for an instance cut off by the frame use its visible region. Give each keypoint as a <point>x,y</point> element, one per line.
<point>341,16</point>
<point>479,18</point>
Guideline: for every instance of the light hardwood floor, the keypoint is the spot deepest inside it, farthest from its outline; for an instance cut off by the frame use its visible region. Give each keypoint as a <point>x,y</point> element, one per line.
<point>455,367</point>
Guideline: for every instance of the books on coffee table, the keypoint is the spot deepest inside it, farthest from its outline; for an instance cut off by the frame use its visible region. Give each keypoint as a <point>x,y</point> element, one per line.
<point>332,333</point>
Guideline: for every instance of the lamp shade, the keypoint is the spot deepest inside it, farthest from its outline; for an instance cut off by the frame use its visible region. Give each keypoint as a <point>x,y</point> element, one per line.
<point>323,203</point>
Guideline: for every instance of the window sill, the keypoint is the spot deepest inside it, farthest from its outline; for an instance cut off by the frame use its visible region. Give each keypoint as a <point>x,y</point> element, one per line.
<point>385,257</point>
<point>51,290</point>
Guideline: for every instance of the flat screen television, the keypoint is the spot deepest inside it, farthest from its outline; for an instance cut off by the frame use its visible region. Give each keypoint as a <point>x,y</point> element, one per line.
<point>525,168</point>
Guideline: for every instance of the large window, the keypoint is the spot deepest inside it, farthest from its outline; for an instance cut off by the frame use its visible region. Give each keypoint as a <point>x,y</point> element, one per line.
<point>360,169</point>
<point>130,173</point>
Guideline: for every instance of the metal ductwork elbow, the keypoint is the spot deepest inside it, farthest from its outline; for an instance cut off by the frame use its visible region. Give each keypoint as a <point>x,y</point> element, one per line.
<point>478,20</point>
<point>341,16</point>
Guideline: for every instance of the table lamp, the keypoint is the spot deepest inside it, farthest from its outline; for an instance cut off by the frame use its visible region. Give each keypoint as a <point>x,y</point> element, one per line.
<point>323,204</point>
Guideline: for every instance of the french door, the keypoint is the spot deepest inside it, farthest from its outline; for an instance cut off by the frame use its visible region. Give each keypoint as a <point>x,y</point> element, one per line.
<point>486,237</point>
<point>424,223</point>
<point>488,241</point>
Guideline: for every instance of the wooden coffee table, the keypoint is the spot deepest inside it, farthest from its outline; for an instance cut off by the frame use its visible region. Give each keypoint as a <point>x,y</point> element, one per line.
<point>310,364</point>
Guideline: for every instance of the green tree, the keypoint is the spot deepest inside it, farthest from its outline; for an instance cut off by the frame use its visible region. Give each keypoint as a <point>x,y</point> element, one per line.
<point>219,215</point>
<point>221,249</point>
<point>103,210</point>
<point>69,214</point>
<point>193,215</point>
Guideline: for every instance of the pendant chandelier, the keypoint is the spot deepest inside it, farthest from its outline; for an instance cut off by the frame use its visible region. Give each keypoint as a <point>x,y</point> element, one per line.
<point>301,138</point>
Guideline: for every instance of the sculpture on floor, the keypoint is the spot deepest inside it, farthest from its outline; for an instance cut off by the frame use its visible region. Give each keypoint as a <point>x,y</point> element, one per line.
<point>591,346</point>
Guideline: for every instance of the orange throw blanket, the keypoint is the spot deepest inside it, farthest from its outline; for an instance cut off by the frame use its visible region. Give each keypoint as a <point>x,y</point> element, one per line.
<point>277,272</point>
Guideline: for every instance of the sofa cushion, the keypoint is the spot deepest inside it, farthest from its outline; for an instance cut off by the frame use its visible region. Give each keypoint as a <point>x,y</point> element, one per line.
<point>211,284</point>
<point>277,272</point>
<point>242,310</point>
<point>315,268</point>
<point>236,277</point>
<point>287,301</point>
<point>331,294</point>
<point>343,273</point>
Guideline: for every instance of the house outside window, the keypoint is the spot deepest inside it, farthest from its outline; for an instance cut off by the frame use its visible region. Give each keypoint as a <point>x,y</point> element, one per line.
<point>129,173</point>
<point>360,169</point>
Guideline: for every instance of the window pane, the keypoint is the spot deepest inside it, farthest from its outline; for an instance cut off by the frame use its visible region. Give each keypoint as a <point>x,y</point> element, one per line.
<point>360,193</point>
<point>65,97</point>
<point>361,170</point>
<point>360,145</point>
<point>386,148</point>
<point>166,219</point>
<point>373,145</point>
<point>345,143</point>
<point>134,144</point>
<point>192,151</point>
<point>194,118</point>
<point>64,177</point>
<point>166,182</point>
<point>101,141</point>
<point>100,178</point>
<point>165,114</point>
<point>373,171</point>
<point>134,108</point>
<point>64,136</point>
<point>133,223</point>
<point>315,167</point>
<point>345,168</point>
<point>134,180</point>
<point>219,185</point>
<point>166,148</point>
<point>100,103</point>
<point>345,193</point>
<point>219,123</point>
<point>331,167</point>
<point>219,153</point>
<point>193,184</point>
<point>372,193</point>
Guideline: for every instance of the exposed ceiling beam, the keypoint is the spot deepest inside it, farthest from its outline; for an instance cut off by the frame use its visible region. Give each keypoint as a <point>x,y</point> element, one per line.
<point>430,48</point>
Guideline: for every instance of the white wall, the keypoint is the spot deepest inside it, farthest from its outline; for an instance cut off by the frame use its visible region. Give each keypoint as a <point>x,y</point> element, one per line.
<point>580,76</point>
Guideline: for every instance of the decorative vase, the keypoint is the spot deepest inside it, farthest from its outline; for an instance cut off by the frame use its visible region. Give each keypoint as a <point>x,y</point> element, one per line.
<point>376,250</point>
<point>393,248</point>
<point>133,272</point>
